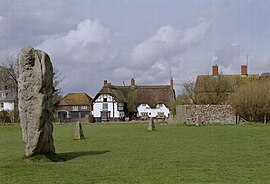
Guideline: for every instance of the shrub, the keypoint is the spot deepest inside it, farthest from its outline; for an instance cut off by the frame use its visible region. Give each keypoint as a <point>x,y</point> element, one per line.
<point>5,117</point>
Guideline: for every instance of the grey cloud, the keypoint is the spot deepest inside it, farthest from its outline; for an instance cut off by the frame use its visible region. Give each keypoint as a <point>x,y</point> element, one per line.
<point>81,55</point>
<point>229,58</point>
<point>168,42</point>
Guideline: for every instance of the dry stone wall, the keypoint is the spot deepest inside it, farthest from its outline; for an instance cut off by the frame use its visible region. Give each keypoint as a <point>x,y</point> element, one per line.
<point>204,114</point>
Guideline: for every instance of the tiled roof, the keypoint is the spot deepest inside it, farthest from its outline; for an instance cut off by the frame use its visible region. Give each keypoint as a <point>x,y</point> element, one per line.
<point>234,81</point>
<point>76,99</point>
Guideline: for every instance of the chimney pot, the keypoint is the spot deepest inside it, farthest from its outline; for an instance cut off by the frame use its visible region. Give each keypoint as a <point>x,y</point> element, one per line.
<point>215,70</point>
<point>105,82</point>
<point>171,83</point>
<point>243,69</point>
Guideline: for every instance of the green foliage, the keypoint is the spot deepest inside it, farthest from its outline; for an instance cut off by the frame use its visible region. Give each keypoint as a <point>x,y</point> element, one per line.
<point>131,97</point>
<point>252,100</point>
<point>217,90</point>
<point>128,153</point>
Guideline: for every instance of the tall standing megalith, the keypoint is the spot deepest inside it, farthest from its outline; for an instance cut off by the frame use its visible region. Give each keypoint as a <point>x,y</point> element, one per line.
<point>35,89</point>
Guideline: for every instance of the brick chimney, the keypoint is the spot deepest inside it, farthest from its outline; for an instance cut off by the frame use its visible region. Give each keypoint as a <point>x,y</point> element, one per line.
<point>105,82</point>
<point>243,69</point>
<point>215,70</point>
<point>132,82</point>
<point>171,83</point>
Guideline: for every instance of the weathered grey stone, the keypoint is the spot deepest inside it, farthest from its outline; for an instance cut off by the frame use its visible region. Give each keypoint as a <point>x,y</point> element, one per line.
<point>35,89</point>
<point>79,131</point>
<point>204,114</point>
<point>151,125</point>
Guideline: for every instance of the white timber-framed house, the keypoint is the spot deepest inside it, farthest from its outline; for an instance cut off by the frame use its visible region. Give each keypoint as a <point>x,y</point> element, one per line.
<point>122,103</point>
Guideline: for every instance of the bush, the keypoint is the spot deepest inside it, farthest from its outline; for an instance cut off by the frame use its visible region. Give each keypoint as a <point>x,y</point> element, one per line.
<point>5,117</point>
<point>252,101</point>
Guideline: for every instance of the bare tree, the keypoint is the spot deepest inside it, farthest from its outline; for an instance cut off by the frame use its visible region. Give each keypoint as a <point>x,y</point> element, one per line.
<point>189,92</point>
<point>57,80</point>
<point>8,79</point>
<point>252,100</point>
<point>187,96</point>
<point>216,90</point>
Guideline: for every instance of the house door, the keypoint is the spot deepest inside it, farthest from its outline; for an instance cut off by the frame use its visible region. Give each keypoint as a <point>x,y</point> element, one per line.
<point>105,115</point>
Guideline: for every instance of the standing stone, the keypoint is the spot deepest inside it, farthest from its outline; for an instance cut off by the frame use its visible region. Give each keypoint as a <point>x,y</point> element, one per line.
<point>151,125</point>
<point>35,89</point>
<point>79,131</point>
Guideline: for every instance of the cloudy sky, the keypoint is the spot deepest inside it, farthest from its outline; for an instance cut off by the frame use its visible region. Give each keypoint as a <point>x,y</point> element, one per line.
<point>150,40</point>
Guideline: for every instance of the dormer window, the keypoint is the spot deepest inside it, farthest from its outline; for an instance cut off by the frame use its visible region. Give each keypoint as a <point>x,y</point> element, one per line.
<point>84,107</point>
<point>75,108</point>
<point>159,105</point>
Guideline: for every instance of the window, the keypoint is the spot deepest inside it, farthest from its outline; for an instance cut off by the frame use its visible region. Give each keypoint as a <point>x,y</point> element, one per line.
<point>75,108</point>
<point>84,107</point>
<point>84,114</point>
<point>104,99</point>
<point>121,114</point>
<point>120,107</point>
<point>2,105</point>
<point>105,106</point>
<point>144,114</point>
<point>74,115</point>
<point>160,114</point>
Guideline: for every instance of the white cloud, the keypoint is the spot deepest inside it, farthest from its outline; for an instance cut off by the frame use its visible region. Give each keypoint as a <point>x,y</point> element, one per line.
<point>231,57</point>
<point>167,43</point>
<point>152,60</point>
<point>81,55</point>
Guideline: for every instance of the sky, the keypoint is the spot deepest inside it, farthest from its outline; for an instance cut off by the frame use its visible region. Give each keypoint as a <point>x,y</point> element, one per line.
<point>90,41</point>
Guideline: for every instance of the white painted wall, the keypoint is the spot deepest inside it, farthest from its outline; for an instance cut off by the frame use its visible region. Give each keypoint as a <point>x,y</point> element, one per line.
<point>98,105</point>
<point>153,112</point>
<point>7,106</point>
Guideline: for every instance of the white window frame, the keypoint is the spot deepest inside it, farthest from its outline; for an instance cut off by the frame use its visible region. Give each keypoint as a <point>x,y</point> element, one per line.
<point>84,107</point>
<point>75,107</point>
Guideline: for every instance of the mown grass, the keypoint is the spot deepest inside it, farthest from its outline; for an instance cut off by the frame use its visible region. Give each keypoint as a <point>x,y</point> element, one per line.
<point>128,153</point>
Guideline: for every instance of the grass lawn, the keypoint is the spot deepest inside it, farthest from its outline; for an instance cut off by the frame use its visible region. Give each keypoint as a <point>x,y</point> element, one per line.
<point>128,153</point>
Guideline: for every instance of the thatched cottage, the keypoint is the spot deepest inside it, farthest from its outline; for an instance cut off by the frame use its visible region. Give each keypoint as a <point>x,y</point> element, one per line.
<point>120,103</point>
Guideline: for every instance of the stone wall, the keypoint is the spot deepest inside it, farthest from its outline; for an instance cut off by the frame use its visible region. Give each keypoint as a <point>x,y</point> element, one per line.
<point>204,114</point>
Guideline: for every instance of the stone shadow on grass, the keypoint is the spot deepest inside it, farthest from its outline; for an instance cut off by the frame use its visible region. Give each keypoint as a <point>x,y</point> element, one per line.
<point>71,155</point>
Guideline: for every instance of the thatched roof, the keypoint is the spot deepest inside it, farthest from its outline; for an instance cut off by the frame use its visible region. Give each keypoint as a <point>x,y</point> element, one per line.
<point>76,99</point>
<point>135,95</point>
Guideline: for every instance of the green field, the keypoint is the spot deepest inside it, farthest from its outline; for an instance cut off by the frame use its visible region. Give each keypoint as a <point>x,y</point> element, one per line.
<point>128,153</point>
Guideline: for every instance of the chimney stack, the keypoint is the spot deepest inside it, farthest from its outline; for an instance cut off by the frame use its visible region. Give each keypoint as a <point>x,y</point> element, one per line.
<point>132,82</point>
<point>105,82</point>
<point>171,83</point>
<point>215,70</point>
<point>243,69</point>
